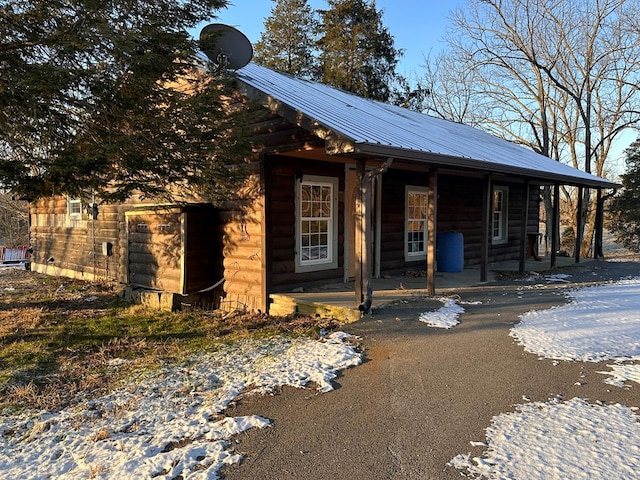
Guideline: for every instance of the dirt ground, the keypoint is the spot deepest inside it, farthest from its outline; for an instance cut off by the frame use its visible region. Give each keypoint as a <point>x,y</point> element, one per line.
<point>422,394</point>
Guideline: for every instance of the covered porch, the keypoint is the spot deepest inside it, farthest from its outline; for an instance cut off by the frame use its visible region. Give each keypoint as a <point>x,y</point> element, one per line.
<point>336,300</point>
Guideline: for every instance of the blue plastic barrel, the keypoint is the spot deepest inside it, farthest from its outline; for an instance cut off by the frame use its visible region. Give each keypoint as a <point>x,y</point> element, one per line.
<point>450,252</point>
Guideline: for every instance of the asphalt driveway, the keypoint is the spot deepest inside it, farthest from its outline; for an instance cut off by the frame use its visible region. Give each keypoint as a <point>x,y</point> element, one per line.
<point>422,394</point>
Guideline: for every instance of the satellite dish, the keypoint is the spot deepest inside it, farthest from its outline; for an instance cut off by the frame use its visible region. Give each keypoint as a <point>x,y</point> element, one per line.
<point>225,46</point>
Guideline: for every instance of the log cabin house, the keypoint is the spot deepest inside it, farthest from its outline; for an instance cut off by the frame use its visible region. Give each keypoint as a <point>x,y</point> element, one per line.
<point>350,189</point>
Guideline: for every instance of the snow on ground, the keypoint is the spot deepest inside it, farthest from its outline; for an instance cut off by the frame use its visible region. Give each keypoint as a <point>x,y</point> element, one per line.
<point>445,317</point>
<point>572,439</point>
<point>622,373</point>
<point>600,323</point>
<point>167,424</point>
<point>549,278</point>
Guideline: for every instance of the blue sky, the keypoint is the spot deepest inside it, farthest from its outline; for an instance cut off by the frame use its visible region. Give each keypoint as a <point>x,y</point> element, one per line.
<point>417,26</point>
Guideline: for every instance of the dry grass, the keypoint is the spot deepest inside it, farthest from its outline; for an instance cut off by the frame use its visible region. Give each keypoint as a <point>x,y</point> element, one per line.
<point>61,339</point>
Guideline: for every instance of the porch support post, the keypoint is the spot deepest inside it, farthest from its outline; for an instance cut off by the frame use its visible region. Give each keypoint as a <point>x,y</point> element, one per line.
<point>524,240</point>
<point>432,225</point>
<point>579,222</point>
<point>486,228</point>
<point>555,217</point>
<point>362,221</point>
<point>377,192</point>
<point>598,251</point>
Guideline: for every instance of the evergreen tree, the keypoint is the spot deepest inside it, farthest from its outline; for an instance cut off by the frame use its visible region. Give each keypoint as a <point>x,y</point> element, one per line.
<point>357,52</point>
<point>624,209</point>
<point>288,41</point>
<point>102,98</point>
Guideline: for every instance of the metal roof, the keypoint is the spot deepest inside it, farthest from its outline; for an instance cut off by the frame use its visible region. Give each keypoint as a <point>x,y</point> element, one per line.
<point>380,129</point>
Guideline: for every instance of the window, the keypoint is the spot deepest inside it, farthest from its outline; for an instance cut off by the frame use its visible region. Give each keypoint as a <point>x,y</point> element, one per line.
<point>499,212</point>
<point>74,212</point>
<point>415,223</point>
<point>74,207</point>
<point>316,225</point>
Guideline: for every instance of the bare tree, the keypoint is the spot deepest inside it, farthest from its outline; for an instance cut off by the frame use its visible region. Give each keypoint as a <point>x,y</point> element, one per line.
<point>559,76</point>
<point>14,221</point>
<point>451,90</point>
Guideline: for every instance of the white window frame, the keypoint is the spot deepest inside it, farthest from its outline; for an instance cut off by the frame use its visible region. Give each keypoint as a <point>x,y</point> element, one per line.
<point>500,218</point>
<point>74,203</point>
<point>331,260</point>
<point>411,255</point>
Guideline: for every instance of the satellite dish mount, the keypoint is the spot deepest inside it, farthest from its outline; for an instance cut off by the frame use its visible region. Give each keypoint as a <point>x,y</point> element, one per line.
<point>226,47</point>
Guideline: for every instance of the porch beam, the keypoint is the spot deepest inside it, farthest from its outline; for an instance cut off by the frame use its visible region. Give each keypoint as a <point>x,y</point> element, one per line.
<point>555,217</point>
<point>579,223</point>
<point>486,228</point>
<point>432,222</point>
<point>524,226</point>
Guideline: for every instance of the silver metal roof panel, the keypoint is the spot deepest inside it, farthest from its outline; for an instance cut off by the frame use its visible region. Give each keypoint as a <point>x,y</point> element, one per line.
<point>378,128</point>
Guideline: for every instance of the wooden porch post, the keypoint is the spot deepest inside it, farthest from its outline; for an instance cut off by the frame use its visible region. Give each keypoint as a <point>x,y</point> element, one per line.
<point>598,251</point>
<point>432,222</point>
<point>363,238</point>
<point>576,251</point>
<point>486,228</point>
<point>554,225</point>
<point>524,240</point>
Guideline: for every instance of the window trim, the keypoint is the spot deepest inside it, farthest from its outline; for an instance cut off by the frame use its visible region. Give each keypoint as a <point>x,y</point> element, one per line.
<point>503,237</point>
<point>415,256</point>
<point>331,262</point>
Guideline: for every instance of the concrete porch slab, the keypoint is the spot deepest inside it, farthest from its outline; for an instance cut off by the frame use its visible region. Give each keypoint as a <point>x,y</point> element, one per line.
<point>337,300</point>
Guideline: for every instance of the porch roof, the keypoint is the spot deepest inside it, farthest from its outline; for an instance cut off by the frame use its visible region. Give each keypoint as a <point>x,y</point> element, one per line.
<point>383,130</point>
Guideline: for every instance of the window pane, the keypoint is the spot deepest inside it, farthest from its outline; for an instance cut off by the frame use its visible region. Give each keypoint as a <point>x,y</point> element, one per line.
<point>305,209</point>
<point>497,200</point>
<point>325,210</point>
<point>305,193</point>
<point>326,194</point>
<point>413,226</point>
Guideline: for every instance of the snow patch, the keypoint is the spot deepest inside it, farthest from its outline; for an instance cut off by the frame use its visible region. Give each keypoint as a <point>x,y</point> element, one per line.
<point>445,317</point>
<point>167,424</point>
<point>600,323</point>
<point>622,373</point>
<point>572,439</point>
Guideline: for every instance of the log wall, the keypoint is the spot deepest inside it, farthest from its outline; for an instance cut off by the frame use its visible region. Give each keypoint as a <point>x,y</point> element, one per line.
<point>282,174</point>
<point>173,249</point>
<point>393,219</point>
<point>459,210</point>
<point>243,251</point>
<point>155,244</point>
<point>72,247</point>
